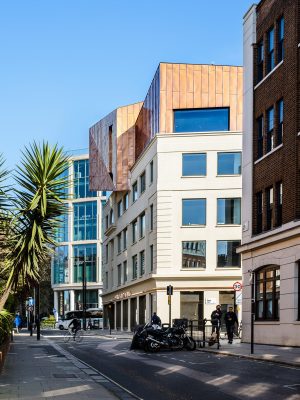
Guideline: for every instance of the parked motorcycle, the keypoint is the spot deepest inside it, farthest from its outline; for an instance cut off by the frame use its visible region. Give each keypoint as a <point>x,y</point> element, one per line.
<point>174,338</point>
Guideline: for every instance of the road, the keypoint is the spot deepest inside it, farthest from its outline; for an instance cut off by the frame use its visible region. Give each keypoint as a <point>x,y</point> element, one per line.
<point>183,375</point>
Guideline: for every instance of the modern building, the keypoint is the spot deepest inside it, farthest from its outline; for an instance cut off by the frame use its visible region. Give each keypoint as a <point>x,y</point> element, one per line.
<point>174,217</point>
<point>79,242</point>
<point>271,172</point>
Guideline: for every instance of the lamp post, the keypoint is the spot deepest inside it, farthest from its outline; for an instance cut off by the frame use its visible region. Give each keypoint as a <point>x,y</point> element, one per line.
<point>84,295</point>
<point>252,283</point>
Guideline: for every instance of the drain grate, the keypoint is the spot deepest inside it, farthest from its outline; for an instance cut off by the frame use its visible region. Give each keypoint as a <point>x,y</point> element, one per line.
<point>65,376</point>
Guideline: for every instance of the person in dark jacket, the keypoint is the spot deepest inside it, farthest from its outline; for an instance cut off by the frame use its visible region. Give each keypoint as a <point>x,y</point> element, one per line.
<point>230,321</point>
<point>215,317</point>
<point>155,320</point>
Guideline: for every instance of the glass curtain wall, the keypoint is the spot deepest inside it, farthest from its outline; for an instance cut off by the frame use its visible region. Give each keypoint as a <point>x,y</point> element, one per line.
<point>85,220</point>
<point>81,180</point>
<point>60,265</point>
<point>85,253</point>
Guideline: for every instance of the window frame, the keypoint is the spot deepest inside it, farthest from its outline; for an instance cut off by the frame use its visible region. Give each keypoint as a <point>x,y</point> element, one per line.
<point>260,60</point>
<point>194,110</point>
<point>142,182</point>
<point>226,199</point>
<point>142,225</point>
<point>239,256</point>
<point>191,200</point>
<point>219,154</point>
<point>280,116</point>
<point>280,39</point>
<point>264,281</point>
<point>259,198</point>
<point>270,49</point>
<point>260,136</point>
<point>134,266</point>
<point>135,193</point>
<point>183,257</point>
<point>194,154</point>
<point>270,129</point>
<point>151,217</point>
<point>120,208</point>
<point>134,227</point>
<point>151,171</point>
<point>269,208</point>
<point>142,262</point>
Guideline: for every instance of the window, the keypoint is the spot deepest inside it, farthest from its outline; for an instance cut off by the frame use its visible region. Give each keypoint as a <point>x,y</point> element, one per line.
<point>120,208</point>
<point>194,254</point>
<point>193,212</point>
<point>81,180</point>
<point>134,231</point>
<point>279,203</point>
<point>151,217</point>
<point>85,221</point>
<point>280,121</point>
<point>270,202</point>
<point>134,192</point>
<point>194,164</point>
<point>259,212</point>
<point>125,202</point>
<point>151,171</point>
<point>151,257</point>
<point>125,271</point>
<point>106,280</point>
<point>270,129</point>
<point>229,211</point>
<point>106,222</point>
<point>119,243</point>
<point>61,228</point>
<point>119,268</point>
<point>260,136</point>
<point>260,61</point>
<point>142,225</point>
<point>227,255</point>
<point>110,150</point>
<point>112,249</point>
<point>85,256</point>
<point>270,59</point>
<point>143,182</point>
<point>111,217</point>
<point>229,163</point>
<point>280,30</point>
<point>134,267</point>
<point>201,120</point>
<point>267,293</point>
<point>60,265</point>
<point>125,239</point>
<point>106,253</point>
<point>142,262</point>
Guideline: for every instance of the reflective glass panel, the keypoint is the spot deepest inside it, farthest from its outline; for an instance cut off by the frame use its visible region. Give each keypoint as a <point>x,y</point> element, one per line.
<point>227,255</point>
<point>193,211</point>
<point>85,256</point>
<point>60,265</point>
<point>194,254</point>
<point>194,164</point>
<point>85,220</point>
<point>201,120</point>
<point>81,180</point>
<point>229,163</point>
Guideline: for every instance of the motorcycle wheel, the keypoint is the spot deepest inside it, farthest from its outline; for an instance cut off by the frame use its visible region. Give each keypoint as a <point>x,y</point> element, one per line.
<point>190,344</point>
<point>152,347</point>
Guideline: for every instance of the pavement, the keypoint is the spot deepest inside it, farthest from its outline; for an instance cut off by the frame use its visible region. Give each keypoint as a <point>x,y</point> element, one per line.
<point>43,370</point>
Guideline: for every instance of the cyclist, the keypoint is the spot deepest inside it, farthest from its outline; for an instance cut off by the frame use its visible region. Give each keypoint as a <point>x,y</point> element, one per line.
<point>75,326</point>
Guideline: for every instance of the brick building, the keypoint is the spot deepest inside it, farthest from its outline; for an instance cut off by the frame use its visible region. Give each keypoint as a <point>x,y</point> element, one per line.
<point>271,166</point>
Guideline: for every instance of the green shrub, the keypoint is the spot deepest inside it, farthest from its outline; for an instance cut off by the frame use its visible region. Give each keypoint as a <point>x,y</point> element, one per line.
<point>6,325</point>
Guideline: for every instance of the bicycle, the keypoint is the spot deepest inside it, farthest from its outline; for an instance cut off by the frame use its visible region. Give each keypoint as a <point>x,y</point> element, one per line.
<point>77,336</point>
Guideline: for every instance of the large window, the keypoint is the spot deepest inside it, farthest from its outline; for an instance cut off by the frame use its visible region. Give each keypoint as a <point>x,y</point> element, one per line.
<point>229,211</point>
<point>194,254</point>
<point>85,220</point>
<point>143,182</point>
<point>229,163</point>
<point>60,265</point>
<point>270,129</point>
<point>142,225</point>
<point>280,121</point>
<point>280,30</point>
<point>227,255</point>
<point>119,270</point>
<point>125,202</point>
<point>134,192</point>
<point>125,271</point>
<point>201,120</point>
<point>61,230</point>
<point>120,208</point>
<point>142,262</point>
<point>270,206</point>
<point>134,267</point>
<point>134,226</point>
<point>260,136</point>
<point>260,61</point>
<point>119,237</point>
<point>267,293</point>
<point>271,58</point>
<point>85,256</point>
<point>125,239</point>
<point>194,164</point>
<point>193,212</point>
<point>81,180</point>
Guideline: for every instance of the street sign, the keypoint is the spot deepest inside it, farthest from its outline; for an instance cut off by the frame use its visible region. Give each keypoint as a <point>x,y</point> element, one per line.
<point>31,301</point>
<point>237,286</point>
<point>170,290</point>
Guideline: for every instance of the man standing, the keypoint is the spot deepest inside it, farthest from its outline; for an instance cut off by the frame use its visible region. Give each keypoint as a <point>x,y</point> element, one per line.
<point>230,321</point>
<point>155,319</point>
<point>216,319</point>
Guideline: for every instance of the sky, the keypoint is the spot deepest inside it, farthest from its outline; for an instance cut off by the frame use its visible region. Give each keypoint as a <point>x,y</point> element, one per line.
<point>65,64</point>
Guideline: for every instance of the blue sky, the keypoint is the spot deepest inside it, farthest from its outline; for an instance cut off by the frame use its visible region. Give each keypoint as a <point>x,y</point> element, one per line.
<point>66,63</point>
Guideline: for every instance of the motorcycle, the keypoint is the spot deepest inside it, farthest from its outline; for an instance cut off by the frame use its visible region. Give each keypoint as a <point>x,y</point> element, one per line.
<point>140,334</point>
<point>174,338</point>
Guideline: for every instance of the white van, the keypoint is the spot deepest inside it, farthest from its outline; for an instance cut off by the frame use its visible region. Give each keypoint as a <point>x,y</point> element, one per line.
<point>96,315</point>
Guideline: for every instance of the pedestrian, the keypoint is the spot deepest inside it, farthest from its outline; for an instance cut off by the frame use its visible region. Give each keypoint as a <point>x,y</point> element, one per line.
<point>215,317</point>
<point>18,322</point>
<point>230,321</point>
<point>90,324</point>
<point>155,320</point>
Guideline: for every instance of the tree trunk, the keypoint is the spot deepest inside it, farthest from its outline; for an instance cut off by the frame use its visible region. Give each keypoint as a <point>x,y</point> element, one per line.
<point>4,297</point>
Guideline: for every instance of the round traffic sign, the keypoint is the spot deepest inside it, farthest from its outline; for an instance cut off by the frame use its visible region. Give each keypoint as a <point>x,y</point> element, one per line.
<point>237,286</point>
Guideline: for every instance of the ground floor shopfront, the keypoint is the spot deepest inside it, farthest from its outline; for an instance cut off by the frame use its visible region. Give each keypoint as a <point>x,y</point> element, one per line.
<point>125,309</point>
<point>271,276</point>
<point>70,298</point>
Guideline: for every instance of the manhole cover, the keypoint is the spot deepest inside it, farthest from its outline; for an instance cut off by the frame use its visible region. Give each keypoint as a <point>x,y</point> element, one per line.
<point>64,376</point>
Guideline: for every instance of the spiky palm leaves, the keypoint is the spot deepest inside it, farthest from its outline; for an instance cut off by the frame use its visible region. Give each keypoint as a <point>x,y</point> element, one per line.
<point>39,204</point>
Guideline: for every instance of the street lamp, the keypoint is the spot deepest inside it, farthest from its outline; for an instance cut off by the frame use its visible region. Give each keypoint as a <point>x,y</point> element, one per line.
<point>84,294</point>
<point>252,283</point>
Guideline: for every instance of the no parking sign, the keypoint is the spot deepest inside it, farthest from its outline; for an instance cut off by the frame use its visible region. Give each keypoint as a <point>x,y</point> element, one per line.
<point>237,286</point>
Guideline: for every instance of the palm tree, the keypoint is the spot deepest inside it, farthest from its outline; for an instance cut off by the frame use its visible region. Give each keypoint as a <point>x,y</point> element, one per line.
<point>39,204</point>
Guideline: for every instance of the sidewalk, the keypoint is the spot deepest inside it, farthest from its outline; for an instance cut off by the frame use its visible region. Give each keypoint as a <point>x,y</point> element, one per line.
<point>283,355</point>
<point>41,369</point>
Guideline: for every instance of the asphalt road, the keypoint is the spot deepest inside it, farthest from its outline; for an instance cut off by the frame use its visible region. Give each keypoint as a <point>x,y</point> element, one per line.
<point>184,375</point>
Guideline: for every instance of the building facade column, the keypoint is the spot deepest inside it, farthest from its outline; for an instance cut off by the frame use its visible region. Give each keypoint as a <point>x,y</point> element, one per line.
<point>72,300</point>
<point>129,314</point>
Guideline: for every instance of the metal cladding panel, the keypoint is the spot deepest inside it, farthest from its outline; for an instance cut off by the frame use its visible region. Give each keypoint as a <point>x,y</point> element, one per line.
<point>111,158</point>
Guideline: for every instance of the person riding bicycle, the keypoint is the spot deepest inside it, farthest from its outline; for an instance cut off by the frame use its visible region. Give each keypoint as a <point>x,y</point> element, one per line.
<point>75,325</point>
